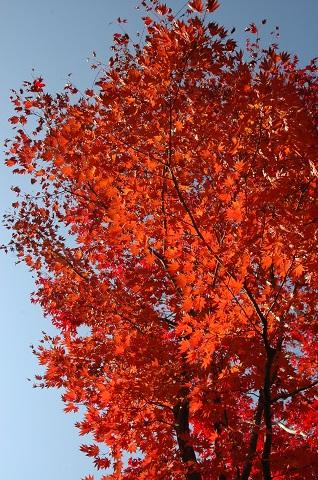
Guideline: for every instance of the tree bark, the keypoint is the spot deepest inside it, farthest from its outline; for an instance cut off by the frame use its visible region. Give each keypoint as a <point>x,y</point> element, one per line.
<point>187,453</point>
<point>266,465</point>
<point>254,437</point>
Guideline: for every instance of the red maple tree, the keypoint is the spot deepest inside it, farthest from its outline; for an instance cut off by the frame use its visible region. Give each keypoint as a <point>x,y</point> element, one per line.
<point>175,218</point>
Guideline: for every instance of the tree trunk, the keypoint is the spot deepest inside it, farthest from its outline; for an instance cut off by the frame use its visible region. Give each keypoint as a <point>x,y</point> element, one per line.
<point>254,437</point>
<point>268,416</point>
<point>187,453</point>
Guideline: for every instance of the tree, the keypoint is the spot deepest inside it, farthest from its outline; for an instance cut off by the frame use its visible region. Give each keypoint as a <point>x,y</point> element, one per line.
<point>173,233</point>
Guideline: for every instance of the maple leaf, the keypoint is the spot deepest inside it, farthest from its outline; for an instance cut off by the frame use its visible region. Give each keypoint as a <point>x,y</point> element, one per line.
<point>162,9</point>
<point>196,5</point>
<point>67,170</point>
<point>267,261</point>
<point>251,28</point>
<point>212,5</point>
<point>298,270</point>
<point>37,85</point>
<point>187,304</point>
<point>234,212</point>
<point>14,120</point>
<point>101,463</point>
<point>90,450</point>
<point>71,407</point>
<point>147,20</point>
<point>10,162</point>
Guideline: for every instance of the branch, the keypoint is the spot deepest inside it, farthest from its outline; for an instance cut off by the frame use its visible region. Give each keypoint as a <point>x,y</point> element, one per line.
<point>164,263</point>
<point>64,258</point>
<point>284,396</point>
<point>280,287</point>
<point>159,404</point>
<point>133,324</point>
<point>289,430</point>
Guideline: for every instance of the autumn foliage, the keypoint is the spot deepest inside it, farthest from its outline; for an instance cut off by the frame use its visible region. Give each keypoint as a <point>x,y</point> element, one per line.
<point>172,227</point>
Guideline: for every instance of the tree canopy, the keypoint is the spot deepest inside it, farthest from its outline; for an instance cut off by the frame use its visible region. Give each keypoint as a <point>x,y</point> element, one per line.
<point>172,229</point>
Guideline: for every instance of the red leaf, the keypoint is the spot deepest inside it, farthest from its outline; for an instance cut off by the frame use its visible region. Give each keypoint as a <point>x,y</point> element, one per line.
<point>147,21</point>
<point>70,407</point>
<point>101,463</point>
<point>251,28</point>
<point>212,5</point>
<point>90,450</point>
<point>196,5</point>
<point>37,85</point>
<point>163,9</point>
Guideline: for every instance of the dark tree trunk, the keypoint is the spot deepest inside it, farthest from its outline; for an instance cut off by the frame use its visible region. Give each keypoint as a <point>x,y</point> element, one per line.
<point>187,453</point>
<point>254,437</point>
<point>268,415</point>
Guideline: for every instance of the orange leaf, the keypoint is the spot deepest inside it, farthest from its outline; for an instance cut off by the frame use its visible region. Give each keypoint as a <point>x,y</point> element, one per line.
<point>11,162</point>
<point>67,170</point>
<point>298,270</point>
<point>234,212</point>
<point>196,5</point>
<point>187,304</point>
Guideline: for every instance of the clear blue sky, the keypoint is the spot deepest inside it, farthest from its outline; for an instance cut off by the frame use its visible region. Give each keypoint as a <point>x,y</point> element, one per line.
<point>37,440</point>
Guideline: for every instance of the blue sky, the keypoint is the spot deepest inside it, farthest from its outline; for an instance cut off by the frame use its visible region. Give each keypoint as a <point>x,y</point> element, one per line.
<point>37,440</point>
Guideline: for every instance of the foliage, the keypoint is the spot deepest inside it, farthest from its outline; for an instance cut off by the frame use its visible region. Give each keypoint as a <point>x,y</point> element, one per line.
<point>175,219</point>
